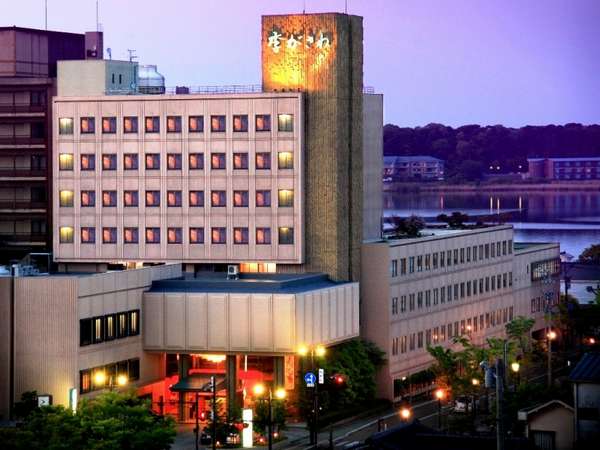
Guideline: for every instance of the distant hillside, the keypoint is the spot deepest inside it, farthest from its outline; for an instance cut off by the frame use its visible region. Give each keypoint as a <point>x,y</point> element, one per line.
<point>471,149</point>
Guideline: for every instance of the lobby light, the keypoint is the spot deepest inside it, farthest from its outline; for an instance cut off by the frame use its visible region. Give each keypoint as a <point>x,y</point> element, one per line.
<point>280,393</point>
<point>303,350</point>
<point>122,380</point>
<point>320,351</point>
<point>100,378</point>
<point>259,389</point>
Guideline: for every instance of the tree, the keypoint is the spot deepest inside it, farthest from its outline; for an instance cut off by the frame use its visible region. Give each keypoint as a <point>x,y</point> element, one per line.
<point>409,226</point>
<point>519,330</point>
<point>455,220</point>
<point>591,254</point>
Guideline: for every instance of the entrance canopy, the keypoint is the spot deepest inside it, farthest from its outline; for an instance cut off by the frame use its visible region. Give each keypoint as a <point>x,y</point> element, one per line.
<point>197,383</point>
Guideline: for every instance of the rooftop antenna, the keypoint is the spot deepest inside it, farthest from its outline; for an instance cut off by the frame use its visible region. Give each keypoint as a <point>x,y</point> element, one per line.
<point>46,14</point>
<point>303,6</point>
<point>97,23</point>
<point>345,6</point>
<point>109,51</point>
<point>131,54</point>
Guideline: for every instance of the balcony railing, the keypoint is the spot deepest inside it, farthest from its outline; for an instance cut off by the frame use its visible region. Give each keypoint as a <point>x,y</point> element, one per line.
<point>22,237</point>
<point>16,205</point>
<point>225,89</point>
<point>21,108</point>
<point>21,140</point>
<point>21,172</point>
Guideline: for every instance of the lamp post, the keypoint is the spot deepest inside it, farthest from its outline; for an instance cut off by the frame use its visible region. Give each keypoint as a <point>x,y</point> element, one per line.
<point>405,413</point>
<point>475,383</point>
<point>440,394</point>
<point>515,367</point>
<point>319,352</point>
<point>551,335</point>
<point>280,394</point>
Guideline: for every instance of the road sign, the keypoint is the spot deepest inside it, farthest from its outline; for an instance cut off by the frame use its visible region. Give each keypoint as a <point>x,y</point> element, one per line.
<point>321,376</point>
<point>310,379</point>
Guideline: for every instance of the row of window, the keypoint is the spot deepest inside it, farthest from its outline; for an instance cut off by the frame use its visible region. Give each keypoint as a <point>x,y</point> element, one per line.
<point>545,270</point>
<point>152,198</point>
<point>442,333</point>
<point>89,381</point>
<point>451,292</point>
<point>218,235</point>
<point>543,304</point>
<point>262,122</point>
<point>434,261</point>
<point>262,161</point>
<point>95,330</point>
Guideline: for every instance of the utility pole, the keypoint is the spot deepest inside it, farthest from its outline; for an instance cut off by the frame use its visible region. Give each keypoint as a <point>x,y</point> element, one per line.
<point>213,385</point>
<point>197,429</point>
<point>499,404</point>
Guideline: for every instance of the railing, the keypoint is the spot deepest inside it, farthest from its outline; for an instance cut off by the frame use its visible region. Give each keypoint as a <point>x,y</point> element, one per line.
<point>226,89</point>
<point>16,205</point>
<point>22,172</point>
<point>22,237</point>
<point>22,108</point>
<point>21,140</point>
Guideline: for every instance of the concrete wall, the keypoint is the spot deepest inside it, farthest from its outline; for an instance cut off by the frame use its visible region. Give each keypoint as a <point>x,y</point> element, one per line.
<point>94,77</point>
<point>372,165</point>
<point>5,327</point>
<point>557,420</point>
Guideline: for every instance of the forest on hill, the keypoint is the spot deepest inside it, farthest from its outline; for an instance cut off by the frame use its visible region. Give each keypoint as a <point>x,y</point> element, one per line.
<point>470,150</point>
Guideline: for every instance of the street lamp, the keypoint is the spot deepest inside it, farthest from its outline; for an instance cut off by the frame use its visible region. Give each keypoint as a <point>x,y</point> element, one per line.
<point>405,413</point>
<point>475,382</point>
<point>318,351</point>
<point>551,336</point>
<point>280,394</point>
<point>440,394</point>
<point>100,379</point>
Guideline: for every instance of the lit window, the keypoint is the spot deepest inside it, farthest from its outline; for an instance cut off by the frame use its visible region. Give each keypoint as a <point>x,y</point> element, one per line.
<point>286,198</point>
<point>240,235</point>
<point>285,160</point>
<point>173,124</point>
<point>65,198</point>
<point>109,162</point>
<point>153,161</point>
<point>240,160</point>
<point>130,161</point>
<point>88,235</point>
<point>263,122</point>
<point>152,198</point>
<point>109,235</point>
<point>109,125</point>
<point>122,331</point>
<point>88,198</point>
<point>130,198</point>
<point>174,236</point>
<point>218,235</point>
<point>88,162</point>
<point>197,198</point>
<point>196,235</point>
<point>217,161</point>
<point>109,327</point>
<point>65,125</point>
<point>152,124</point>
<point>217,124</point>
<point>286,235</point>
<point>240,198</point>
<point>130,235</point>
<point>218,198</point>
<point>130,124</point>
<point>263,161</point>
<point>134,326</point>
<point>153,235</point>
<point>196,124</point>
<point>109,198</point>
<point>65,235</point>
<point>98,330</point>
<point>65,161</point>
<point>173,198</point>
<point>88,125</point>
<point>240,123</point>
<point>196,161</point>
<point>174,161</point>
<point>263,236</point>
<point>263,198</point>
<point>285,122</point>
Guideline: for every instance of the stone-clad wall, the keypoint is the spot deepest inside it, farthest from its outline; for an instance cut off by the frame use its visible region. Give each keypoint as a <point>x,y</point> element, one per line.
<point>331,76</point>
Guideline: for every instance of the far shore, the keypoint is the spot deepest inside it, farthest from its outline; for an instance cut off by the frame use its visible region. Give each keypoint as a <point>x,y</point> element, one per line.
<point>491,186</point>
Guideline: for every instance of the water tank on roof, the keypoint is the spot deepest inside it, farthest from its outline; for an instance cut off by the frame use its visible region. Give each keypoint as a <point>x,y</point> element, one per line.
<point>150,81</point>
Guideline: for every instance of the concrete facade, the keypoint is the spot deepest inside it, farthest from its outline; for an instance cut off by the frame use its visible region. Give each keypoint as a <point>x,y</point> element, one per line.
<point>96,77</point>
<point>372,165</point>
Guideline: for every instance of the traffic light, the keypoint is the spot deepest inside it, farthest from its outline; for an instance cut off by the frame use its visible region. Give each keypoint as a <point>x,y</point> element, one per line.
<point>338,380</point>
<point>203,416</point>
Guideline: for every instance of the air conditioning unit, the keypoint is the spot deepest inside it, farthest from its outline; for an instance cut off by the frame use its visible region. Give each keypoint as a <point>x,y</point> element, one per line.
<point>233,272</point>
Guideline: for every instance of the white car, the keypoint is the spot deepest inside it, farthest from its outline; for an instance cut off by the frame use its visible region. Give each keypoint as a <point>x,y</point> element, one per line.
<point>461,405</point>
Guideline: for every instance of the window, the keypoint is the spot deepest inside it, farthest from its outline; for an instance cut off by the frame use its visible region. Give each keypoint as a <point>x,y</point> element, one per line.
<point>196,124</point>
<point>174,161</point>
<point>394,268</point>
<point>394,346</point>
<point>285,160</point>
<point>403,303</point>
<point>442,259</point>
<point>427,262</point>
<point>88,235</point>
<point>133,319</point>
<point>263,122</point>
<point>130,161</point>
<point>434,260</point>
<point>411,302</point>
<point>427,298</point>
<point>152,235</point>
<point>88,125</point>
<point>130,125</point>
<point>109,327</point>
<point>88,198</point>
<point>449,258</point>
<point>285,122</point>
<point>240,235</point>
<point>109,162</point>
<point>218,199</point>
<point>196,235</point>
<point>152,198</point>
<point>88,162</point>
<point>480,252</point>
<point>173,124</point>
<point>217,124</point>
<point>420,339</point>
<point>263,161</point>
<point>217,161</point>
<point>487,251</point>
<point>122,330</point>
<point>394,305</point>
<point>65,198</point>
<point>218,235</point>
<point>263,198</point>
<point>286,236</point>
<point>173,198</point>
<point>65,161</point>
<point>403,266</point>
<point>436,296</point>
<point>197,198</point>
<point>411,264</point>
<point>152,161</point>
<point>455,257</point>
<point>240,198</point>
<point>456,292</point>
<point>97,330</point>
<point>419,300</point>
<point>474,253</point>
<point>109,125</point>
<point>442,295</point>
<point>240,123</point>
<point>152,124</point>
<point>130,198</point>
<point>462,255</point>
<point>285,198</point>
<point>174,235</point>
<point>240,161</point>
<point>504,248</point>
<point>85,332</point>
<point>419,263</point>
<point>263,236</point>
<point>468,254</point>
<point>196,161</point>
<point>109,235</point>
<point>65,125</point>
<point>493,250</point>
<point>109,198</point>
<point>130,235</point>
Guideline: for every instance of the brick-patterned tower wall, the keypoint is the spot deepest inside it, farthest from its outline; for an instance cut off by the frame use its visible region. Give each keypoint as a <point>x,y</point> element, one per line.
<point>325,61</point>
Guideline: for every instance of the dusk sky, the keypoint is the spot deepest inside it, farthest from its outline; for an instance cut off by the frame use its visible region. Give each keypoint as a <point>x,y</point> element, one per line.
<point>510,62</point>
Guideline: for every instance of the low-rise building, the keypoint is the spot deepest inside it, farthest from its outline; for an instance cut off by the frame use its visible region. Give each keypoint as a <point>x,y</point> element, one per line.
<point>578,169</point>
<point>549,425</point>
<point>586,393</point>
<point>420,167</point>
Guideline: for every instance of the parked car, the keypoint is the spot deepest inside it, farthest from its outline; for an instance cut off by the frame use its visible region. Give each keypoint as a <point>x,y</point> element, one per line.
<point>387,180</point>
<point>461,405</point>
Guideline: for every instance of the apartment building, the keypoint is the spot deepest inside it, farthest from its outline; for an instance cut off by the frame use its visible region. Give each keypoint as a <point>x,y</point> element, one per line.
<point>564,168</point>
<point>421,167</point>
<point>450,283</point>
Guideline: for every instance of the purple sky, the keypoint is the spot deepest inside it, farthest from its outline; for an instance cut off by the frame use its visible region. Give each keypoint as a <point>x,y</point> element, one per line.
<point>511,62</point>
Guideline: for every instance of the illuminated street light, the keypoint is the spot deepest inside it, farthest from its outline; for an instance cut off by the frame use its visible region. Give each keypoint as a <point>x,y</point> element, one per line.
<point>515,367</point>
<point>280,393</point>
<point>320,351</point>
<point>100,378</point>
<point>475,382</point>
<point>122,380</point>
<point>259,389</point>
<point>440,394</point>
<point>551,335</point>
<point>303,350</point>
<point>405,413</point>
